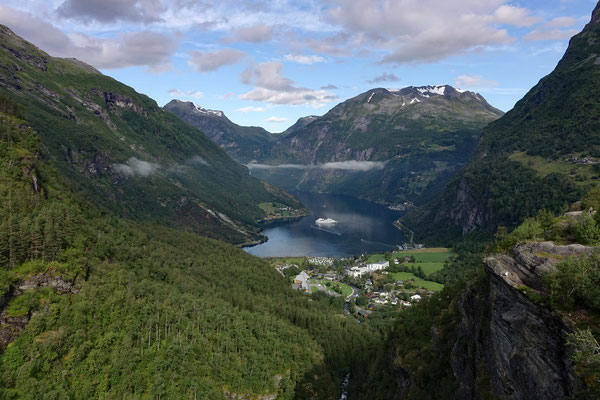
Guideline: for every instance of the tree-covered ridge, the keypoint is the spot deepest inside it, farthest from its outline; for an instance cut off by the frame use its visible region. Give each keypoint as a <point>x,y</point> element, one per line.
<point>243,143</point>
<point>541,154</point>
<point>127,154</point>
<point>119,309</point>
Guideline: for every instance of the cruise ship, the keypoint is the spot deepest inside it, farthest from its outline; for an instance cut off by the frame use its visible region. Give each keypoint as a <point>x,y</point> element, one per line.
<point>326,221</point>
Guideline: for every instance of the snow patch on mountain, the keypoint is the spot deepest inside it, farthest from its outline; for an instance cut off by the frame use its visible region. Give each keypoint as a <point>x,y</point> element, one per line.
<point>208,112</point>
<point>432,90</point>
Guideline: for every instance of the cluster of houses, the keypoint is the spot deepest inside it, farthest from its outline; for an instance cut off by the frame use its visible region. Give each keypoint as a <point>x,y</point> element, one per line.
<point>324,261</point>
<point>390,298</point>
<point>410,246</point>
<point>302,283</point>
<point>402,207</point>
<point>576,160</point>
<point>362,269</point>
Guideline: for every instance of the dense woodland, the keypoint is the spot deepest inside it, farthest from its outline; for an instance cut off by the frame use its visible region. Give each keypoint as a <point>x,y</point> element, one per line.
<point>153,312</point>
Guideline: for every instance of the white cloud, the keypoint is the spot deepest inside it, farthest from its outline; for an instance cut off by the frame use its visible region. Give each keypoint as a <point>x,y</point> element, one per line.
<point>412,31</point>
<point>226,96</point>
<point>474,81</point>
<point>351,165</point>
<point>136,167</point>
<point>112,10</point>
<point>354,165</point>
<point>385,77</point>
<point>273,87</point>
<point>253,34</point>
<point>190,93</point>
<point>251,109</point>
<point>197,160</point>
<point>561,22</point>
<point>276,119</point>
<point>142,48</point>
<point>516,16</point>
<point>283,166</point>
<point>303,59</point>
<point>267,75</point>
<point>298,96</point>
<point>212,61</point>
<point>551,34</point>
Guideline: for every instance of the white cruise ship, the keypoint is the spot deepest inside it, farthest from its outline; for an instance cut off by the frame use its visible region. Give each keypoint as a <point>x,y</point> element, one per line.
<point>326,221</point>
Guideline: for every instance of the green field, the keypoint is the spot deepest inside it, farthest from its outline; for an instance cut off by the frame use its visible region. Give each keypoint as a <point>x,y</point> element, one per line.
<point>346,290</point>
<point>418,282</point>
<point>277,261</point>
<point>373,258</point>
<point>581,173</point>
<point>430,260</point>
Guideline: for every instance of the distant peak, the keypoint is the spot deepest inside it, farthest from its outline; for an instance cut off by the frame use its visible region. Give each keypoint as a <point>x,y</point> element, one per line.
<point>196,108</point>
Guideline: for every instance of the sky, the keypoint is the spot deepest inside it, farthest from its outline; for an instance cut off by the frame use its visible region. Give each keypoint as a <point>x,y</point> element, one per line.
<point>267,63</point>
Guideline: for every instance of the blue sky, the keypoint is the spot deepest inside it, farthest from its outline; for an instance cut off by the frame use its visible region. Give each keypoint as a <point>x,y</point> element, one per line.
<point>267,63</point>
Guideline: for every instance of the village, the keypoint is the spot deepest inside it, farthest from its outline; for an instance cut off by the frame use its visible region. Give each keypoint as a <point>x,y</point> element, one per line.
<point>369,283</point>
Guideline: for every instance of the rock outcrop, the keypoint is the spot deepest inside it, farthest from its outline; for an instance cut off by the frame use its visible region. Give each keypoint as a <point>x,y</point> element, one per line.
<point>12,325</point>
<point>507,345</point>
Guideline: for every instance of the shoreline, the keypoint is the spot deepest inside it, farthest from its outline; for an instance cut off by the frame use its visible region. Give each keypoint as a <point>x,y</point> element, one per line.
<point>267,222</point>
<point>404,229</point>
<point>274,220</point>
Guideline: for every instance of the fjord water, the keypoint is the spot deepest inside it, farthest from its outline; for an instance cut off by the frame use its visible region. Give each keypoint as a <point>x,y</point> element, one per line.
<point>363,227</point>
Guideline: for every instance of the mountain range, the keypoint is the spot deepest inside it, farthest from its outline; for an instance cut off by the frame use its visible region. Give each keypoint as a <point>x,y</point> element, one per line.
<point>390,146</point>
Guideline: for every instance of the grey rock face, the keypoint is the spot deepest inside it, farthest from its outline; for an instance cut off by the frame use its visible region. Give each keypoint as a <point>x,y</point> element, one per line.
<point>465,210</point>
<point>507,345</point>
<point>527,263</point>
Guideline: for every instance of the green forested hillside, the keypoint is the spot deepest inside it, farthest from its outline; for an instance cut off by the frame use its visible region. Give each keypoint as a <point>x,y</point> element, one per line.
<point>544,153</point>
<point>125,153</point>
<point>94,306</point>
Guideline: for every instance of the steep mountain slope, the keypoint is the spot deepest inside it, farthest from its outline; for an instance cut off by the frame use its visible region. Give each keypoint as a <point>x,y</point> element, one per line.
<point>127,154</point>
<point>408,143</point>
<point>381,124</point>
<point>94,306</point>
<point>541,154</point>
<point>244,144</point>
<point>524,325</point>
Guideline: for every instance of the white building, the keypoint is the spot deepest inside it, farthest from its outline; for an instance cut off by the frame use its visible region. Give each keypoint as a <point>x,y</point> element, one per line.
<point>365,269</point>
<point>415,297</point>
<point>379,265</point>
<point>301,282</point>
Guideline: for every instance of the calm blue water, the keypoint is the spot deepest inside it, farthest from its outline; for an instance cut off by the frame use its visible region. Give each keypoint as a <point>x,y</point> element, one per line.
<point>363,227</point>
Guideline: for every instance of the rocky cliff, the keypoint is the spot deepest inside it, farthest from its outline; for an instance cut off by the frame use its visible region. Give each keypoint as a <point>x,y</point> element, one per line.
<point>507,345</point>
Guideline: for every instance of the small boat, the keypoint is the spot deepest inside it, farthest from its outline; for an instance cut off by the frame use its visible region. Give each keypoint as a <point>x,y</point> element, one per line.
<point>326,221</point>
